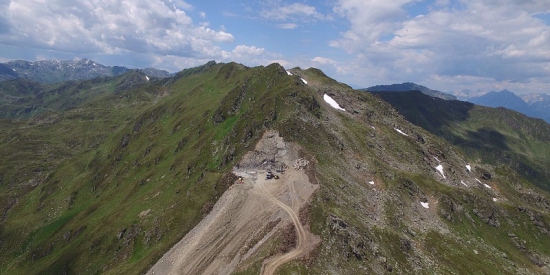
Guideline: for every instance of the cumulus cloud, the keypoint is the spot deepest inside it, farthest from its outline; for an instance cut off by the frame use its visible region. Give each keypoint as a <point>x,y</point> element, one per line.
<point>244,50</point>
<point>251,55</point>
<point>292,13</point>
<point>110,27</point>
<point>478,39</point>
<point>323,60</point>
<point>276,10</point>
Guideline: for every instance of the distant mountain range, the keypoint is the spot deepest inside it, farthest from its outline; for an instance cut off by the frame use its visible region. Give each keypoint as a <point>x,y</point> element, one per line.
<point>52,71</point>
<point>409,86</point>
<point>534,105</point>
<point>55,71</point>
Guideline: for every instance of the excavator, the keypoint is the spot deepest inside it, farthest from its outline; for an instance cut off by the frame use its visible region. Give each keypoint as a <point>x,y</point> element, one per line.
<point>270,175</point>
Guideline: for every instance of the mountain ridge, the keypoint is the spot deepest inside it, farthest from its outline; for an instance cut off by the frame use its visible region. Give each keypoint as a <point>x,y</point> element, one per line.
<point>507,99</point>
<point>52,71</point>
<point>110,182</point>
<point>410,86</point>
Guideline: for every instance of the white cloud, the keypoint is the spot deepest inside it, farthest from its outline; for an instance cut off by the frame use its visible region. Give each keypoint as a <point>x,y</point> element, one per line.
<point>323,60</point>
<point>252,56</point>
<point>287,26</point>
<point>243,50</point>
<point>276,10</point>
<point>479,39</point>
<point>110,27</point>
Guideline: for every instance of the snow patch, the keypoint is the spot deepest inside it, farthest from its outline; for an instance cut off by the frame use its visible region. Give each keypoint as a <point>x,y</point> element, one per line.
<point>469,167</point>
<point>332,102</point>
<point>288,73</point>
<point>440,169</point>
<point>495,199</point>
<point>437,159</point>
<point>147,78</point>
<point>371,182</point>
<point>487,186</point>
<point>479,181</point>
<point>373,128</point>
<point>461,181</point>
<point>425,204</point>
<point>401,132</point>
<point>303,80</point>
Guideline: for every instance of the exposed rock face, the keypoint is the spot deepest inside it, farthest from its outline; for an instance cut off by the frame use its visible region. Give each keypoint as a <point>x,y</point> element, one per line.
<point>269,153</point>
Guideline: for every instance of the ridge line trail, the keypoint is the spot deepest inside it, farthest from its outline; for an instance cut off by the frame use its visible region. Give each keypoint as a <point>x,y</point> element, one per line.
<point>270,267</point>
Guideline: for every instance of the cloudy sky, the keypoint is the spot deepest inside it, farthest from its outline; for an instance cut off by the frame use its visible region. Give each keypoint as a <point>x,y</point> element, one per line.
<point>449,45</point>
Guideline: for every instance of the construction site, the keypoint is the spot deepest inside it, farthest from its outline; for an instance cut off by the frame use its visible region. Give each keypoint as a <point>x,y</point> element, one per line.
<point>272,186</point>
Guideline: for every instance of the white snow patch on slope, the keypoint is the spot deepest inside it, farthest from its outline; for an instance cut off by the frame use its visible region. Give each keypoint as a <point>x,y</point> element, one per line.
<point>147,78</point>
<point>495,199</point>
<point>469,167</point>
<point>461,181</point>
<point>479,181</point>
<point>401,132</point>
<point>332,102</point>
<point>487,186</point>
<point>425,204</point>
<point>437,159</point>
<point>371,182</point>
<point>288,73</point>
<point>303,80</point>
<point>440,169</point>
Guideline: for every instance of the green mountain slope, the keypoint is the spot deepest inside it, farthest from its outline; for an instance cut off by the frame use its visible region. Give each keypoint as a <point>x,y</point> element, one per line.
<point>116,172</point>
<point>495,136</point>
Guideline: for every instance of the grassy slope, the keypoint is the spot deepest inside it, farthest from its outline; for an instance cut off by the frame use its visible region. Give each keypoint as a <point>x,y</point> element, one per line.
<point>495,136</point>
<point>150,159</point>
<point>147,165</point>
<point>374,229</point>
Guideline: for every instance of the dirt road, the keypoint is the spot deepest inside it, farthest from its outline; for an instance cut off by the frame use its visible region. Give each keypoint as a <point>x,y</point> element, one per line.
<point>304,241</point>
<point>246,216</point>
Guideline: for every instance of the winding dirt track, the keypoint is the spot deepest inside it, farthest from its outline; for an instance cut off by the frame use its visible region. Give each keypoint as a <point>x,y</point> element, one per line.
<point>271,266</point>
<point>245,217</point>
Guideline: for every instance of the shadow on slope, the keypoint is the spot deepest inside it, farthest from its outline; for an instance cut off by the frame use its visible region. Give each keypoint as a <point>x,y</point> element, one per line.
<point>486,134</point>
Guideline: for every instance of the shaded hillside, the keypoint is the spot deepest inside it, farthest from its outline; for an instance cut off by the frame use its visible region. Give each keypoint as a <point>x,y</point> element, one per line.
<point>409,86</point>
<point>498,136</point>
<point>118,170</point>
<point>22,98</point>
<point>6,73</point>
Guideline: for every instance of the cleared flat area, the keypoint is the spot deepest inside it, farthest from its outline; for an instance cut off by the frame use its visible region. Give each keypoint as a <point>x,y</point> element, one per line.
<point>246,216</point>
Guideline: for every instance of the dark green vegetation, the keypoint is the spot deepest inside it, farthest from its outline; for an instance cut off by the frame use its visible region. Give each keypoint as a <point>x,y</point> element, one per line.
<point>105,175</point>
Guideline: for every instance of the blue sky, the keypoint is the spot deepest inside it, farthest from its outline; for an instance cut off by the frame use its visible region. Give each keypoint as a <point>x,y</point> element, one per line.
<point>449,45</point>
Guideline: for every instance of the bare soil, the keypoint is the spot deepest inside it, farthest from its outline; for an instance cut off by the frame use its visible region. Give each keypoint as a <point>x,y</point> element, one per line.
<point>247,215</point>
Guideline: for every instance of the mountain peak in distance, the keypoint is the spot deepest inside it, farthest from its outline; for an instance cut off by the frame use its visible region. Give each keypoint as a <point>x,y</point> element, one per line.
<point>409,86</point>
